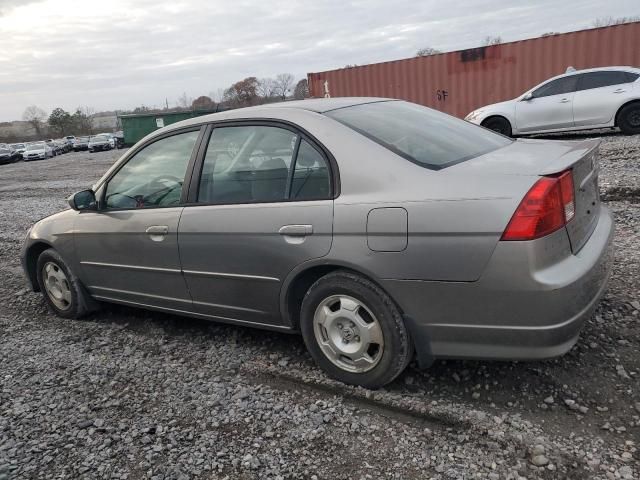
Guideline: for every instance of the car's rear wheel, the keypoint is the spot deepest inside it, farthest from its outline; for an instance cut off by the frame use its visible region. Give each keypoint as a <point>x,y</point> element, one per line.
<point>62,290</point>
<point>498,124</point>
<point>629,119</point>
<point>354,331</point>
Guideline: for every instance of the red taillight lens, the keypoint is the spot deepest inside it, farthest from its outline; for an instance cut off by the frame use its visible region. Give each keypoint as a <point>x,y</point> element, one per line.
<point>548,206</point>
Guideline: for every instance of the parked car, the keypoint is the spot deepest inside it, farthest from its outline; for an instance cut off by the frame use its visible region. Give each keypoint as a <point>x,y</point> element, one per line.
<point>111,137</point>
<point>376,228</point>
<point>56,149</point>
<point>8,155</point>
<point>19,147</point>
<point>80,144</point>
<point>578,100</point>
<point>71,138</point>
<point>38,151</point>
<point>99,143</point>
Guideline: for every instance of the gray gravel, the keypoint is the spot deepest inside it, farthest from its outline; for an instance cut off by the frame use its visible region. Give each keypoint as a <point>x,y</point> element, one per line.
<point>133,394</point>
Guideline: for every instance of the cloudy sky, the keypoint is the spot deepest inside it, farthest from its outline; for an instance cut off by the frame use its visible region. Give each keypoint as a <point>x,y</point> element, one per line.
<point>125,53</point>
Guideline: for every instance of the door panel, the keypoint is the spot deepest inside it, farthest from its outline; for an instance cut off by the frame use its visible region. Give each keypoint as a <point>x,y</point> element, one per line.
<point>235,257</point>
<point>128,249</point>
<point>545,113</point>
<point>598,97</point>
<point>265,207</point>
<point>120,260</point>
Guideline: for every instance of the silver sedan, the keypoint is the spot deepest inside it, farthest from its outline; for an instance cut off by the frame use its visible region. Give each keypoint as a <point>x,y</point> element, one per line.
<point>379,229</point>
<point>596,98</point>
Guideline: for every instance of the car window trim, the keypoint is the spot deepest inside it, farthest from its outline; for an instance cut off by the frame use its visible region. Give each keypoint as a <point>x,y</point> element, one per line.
<point>194,184</point>
<point>101,186</point>
<point>624,74</point>
<point>575,87</point>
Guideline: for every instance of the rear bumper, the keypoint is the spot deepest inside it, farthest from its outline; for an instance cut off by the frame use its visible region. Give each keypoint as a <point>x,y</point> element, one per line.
<point>524,307</point>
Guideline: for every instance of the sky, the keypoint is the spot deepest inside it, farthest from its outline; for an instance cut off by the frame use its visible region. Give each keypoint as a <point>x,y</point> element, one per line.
<point>119,54</point>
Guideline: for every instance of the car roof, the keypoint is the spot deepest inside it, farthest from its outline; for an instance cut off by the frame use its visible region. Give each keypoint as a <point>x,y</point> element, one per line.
<point>274,110</point>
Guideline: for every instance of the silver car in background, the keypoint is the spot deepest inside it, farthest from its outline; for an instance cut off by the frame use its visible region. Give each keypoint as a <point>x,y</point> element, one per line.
<point>37,151</point>
<point>596,98</point>
<point>379,229</point>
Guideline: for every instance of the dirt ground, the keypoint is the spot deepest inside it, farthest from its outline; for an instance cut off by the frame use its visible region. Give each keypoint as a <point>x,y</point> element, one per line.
<point>133,394</point>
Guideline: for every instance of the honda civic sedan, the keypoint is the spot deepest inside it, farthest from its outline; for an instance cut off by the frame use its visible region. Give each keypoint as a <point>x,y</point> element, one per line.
<point>596,98</point>
<point>380,230</point>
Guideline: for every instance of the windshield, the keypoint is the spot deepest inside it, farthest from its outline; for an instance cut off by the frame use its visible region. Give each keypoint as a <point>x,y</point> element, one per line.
<point>419,134</point>
<point>36,146</point>
<point>82,139</point>
<point>99,138</point>
<point>17,145</point>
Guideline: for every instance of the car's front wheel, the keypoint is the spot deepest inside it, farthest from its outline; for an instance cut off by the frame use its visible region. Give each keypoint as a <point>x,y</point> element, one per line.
<point>498,124</point>
<point>629,119</point>
<point>62,290</point>
<point>354,331</point>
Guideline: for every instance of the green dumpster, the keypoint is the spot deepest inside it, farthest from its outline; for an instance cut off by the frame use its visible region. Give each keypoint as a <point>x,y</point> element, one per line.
<point>137,125</point>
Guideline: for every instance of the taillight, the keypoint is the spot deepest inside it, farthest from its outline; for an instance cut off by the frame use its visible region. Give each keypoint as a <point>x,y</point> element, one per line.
<point>548,206</point>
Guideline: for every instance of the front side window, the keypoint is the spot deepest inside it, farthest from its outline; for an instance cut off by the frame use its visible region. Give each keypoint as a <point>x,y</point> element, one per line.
<point>153,177</point>
<point>419,134</point>
<point>247,164</point>
<point>603,79</point>
<point>557,87</point>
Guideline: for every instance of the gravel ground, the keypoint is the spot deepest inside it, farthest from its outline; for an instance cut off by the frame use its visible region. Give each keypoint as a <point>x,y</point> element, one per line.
<point>133,394</point>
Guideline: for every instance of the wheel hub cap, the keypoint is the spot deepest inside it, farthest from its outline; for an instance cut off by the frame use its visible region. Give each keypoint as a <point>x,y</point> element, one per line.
<point>56,285</point>
<point>348,333</point>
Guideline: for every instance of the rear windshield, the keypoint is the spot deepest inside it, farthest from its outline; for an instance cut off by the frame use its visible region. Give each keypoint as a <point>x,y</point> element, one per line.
<point>421,135</point>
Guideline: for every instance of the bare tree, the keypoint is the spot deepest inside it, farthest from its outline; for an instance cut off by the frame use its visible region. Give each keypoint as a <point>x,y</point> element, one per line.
<point>427,51</point>
<point>266,87</point>
<point>302,90</point>
<point>184,101</point>
<point>608,21</point>
<point>35,116</point>
<point>283,84</point>
<point>490,40</point>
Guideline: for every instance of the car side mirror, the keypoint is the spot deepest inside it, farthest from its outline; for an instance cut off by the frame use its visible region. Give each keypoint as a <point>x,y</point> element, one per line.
<point>527,97</point>
<point>84,200</point>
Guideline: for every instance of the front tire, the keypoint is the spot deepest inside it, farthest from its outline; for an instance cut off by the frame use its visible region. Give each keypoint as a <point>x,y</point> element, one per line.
<point>354,331</point>
<point>498,124</point>
<point>629,119</point>
<point>61,288</point>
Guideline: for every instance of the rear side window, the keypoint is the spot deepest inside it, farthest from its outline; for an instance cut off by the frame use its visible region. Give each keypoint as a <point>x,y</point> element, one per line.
<point>557,87</point>
<point>254,164</point>
<point>605,79</point>
<point>419,134</point>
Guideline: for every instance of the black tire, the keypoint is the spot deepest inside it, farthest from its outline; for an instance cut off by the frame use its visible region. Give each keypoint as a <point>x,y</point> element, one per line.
<point>398,346</point>
<point>629,119</point>
<point>80,303</point>
<point>498,124</point>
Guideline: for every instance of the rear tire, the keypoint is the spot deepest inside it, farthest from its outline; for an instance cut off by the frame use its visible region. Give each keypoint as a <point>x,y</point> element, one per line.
<point>62,290</point>
<point>354,331</point>
<point>498,124</point>
<point>629,119</point>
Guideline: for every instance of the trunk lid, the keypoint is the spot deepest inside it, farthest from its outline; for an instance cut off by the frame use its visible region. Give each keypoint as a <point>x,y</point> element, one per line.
<point>548,157</point>
<point>587,198</point>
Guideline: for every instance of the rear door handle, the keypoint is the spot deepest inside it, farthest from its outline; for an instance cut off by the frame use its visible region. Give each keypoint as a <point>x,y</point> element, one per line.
<point>157,232</point>
<point>565,100</point>
<point>296,230</point>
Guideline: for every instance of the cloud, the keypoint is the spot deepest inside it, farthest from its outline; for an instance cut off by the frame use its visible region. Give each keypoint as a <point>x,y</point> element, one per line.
<point>132,52</point>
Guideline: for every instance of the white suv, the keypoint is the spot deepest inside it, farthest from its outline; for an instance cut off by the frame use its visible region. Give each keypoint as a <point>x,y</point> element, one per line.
<point>579,100</point>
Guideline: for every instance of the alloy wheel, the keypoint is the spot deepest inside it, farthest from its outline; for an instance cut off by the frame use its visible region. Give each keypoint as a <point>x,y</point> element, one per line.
<point>348,333</point>
<point>57,285</point>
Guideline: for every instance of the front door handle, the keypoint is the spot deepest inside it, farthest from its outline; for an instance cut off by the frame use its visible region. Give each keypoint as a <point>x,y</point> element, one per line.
<point>620,90</point>
<point>157,232</point>
<point>296,230</point>
<point>565,100</point>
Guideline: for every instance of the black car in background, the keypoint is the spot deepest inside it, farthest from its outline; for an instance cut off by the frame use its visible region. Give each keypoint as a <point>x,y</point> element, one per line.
<point>9,155</point>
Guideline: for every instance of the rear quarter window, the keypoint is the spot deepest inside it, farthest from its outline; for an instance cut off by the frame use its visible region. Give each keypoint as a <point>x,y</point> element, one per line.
<point>419,134</point>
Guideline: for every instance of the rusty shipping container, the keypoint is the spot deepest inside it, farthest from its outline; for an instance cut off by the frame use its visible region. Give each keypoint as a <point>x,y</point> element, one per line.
<point>461,81</point>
